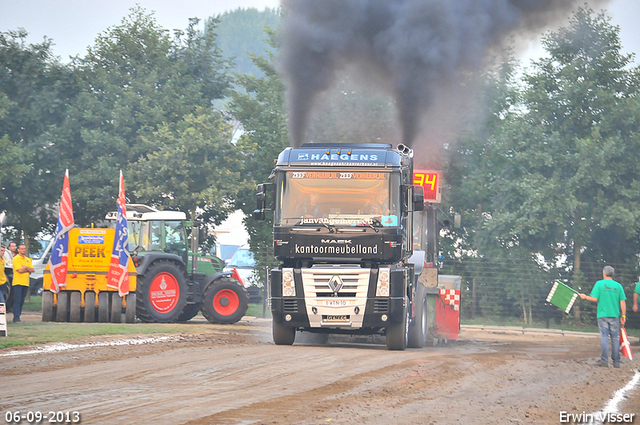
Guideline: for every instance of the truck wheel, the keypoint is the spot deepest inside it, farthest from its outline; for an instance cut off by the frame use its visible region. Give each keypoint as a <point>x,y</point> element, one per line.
<point>189,312</point>
<point>418,328</point>
<point>130,310</point>
<point>161,293</point>
<point>103,307</point>
<point>397,334</point>
<point>75,307</point>
<point>89,307</point>
<point>283,335</point>
<point>47,306</point>
<point>116,308</point>
<point>62,311</point>
<point>224,300</point>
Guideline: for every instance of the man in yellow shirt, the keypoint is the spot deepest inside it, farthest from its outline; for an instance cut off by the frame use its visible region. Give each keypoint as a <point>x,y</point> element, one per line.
<point>22,268</point>
<point>3,277</point>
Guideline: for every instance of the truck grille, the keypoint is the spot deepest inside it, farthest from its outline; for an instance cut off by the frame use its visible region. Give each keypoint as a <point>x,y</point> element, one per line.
<point>335,281</point>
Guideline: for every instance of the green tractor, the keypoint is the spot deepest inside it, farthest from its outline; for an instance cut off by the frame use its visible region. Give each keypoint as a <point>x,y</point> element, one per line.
<point>174,282</point>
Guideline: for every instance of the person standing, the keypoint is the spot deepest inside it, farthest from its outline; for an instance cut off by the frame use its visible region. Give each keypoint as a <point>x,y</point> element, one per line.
<point>8,255</point>
<point>636,292</point>
<point>3,276</point>
<point>612,310</point>
<point>22,268</point>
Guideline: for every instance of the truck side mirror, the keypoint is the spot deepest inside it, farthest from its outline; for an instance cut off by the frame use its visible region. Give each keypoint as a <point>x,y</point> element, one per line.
<point>261,198</point>
<point>418,198</point>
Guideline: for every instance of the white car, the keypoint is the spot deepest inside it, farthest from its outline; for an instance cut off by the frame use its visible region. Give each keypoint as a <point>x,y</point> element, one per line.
<point>40,259</point>
<point>244,262</point>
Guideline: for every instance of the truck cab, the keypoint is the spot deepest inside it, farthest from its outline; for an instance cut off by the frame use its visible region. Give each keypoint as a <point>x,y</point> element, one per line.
<point>343,216</point>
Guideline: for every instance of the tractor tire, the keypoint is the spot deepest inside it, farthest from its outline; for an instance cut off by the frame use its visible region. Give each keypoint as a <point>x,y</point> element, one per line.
<point>189,312</point>
<point>283,335</point>
<point>397,334</point>
<point>75,307</point>
<point>89,307</point>
<point>418,328</point>
<point>224,301</point>
<point>116,308</point>
<point>47,306</point>
<point>130,310</point>
<point>161,293</point>
<point>103,307</point>
<point>62,311</point>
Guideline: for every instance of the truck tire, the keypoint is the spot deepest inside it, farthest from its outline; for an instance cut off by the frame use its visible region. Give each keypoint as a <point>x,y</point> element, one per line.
<point>47,306</point>
<point>189,312</point>
<point>397,334</point>
<point>75,307</point>
<point>130,309</point>
<point>283,335</point>
<point>89,307</point>
<point>418,327</point>
<point>62,309</point>
<point>224,300</point>
<point>161,293</point>
<point>116,308</point>
<point>103,307</point>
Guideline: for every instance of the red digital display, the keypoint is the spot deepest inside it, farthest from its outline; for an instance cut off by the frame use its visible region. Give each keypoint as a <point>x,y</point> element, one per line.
<point>430,181</point>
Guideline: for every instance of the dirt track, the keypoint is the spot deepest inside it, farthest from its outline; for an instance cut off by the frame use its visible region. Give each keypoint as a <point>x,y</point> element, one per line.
<point>235,375</point>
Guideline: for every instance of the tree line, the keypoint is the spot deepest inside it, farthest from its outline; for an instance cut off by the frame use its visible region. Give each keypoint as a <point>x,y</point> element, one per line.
<point>544,172</point>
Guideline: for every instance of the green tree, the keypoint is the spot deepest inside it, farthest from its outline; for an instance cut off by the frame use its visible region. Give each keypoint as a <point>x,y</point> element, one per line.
<point>241,33</point>
<point>142,91</point>
<point>569,173</point>
<point>35,92</point>
<point>194,167</point>
<point>260,109</point>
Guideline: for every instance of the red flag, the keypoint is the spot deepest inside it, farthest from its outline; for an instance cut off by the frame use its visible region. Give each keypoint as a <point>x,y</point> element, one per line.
<point>118,276</point>
<point>625,346</point>
<point>59,260</point>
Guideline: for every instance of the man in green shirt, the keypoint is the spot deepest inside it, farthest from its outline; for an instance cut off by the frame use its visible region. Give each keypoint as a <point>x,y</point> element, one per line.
<point>610,297</point>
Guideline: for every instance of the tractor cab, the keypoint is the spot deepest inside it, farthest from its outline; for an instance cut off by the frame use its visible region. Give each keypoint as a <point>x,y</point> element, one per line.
<point>153,231</point>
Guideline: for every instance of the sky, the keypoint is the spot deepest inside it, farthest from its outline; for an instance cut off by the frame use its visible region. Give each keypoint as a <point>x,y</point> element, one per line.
<point>74,24</point>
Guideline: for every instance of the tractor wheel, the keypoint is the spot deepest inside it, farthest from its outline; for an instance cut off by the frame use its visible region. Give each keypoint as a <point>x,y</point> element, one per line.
<point>283,335</point>
<point>130,310</point>
<point>418,329</point>
<point>397,334</point>
<point>161,293</point>
<point>189,312</point>
<point>103,307</point>
<point>224,300</point>
<point>75,307</point>
<point>47,306</point>
<point>116,308</point>
<point>89,307</point>
<point>62,312</point>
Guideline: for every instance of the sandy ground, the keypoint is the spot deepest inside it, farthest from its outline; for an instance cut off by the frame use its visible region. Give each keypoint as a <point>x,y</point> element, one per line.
<point>236,375</point>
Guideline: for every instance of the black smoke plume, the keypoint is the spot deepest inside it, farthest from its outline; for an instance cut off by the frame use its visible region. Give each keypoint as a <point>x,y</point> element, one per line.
<point>419,48</point>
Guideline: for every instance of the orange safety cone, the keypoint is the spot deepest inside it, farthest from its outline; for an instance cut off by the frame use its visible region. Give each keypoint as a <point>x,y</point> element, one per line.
<point>236,276</point>
<point>625,346</point>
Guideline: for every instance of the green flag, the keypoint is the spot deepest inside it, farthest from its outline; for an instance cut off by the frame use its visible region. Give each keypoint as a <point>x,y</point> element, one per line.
<point>562,296</point>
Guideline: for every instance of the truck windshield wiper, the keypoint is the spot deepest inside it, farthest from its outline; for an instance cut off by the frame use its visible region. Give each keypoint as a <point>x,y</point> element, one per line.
<point>331,228</point>
<point>374,221</point>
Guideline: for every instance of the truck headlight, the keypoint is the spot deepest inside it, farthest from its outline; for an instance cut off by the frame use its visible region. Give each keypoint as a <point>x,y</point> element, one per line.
<point>382,289</point>
<point>288,285</point>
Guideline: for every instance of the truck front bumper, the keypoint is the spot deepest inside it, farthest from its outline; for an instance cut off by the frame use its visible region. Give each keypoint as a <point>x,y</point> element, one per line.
<point>335,313</point>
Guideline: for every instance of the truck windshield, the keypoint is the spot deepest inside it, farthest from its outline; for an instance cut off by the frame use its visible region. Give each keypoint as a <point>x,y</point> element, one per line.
<point>338,198</point>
